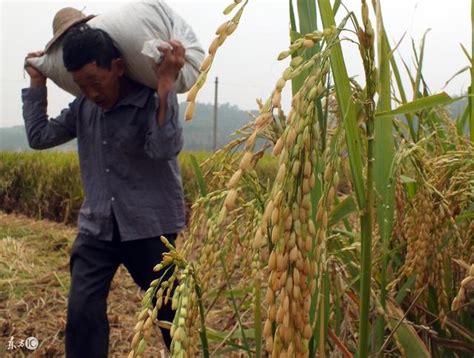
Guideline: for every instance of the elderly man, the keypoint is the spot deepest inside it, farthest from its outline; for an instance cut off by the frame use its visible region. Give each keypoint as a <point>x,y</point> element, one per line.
<point>128,139</point>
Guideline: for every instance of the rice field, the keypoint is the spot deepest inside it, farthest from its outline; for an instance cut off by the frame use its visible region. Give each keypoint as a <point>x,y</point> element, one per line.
<point>47,185</point>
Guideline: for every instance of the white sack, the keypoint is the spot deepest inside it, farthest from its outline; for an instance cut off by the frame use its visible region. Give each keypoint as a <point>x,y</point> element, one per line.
<point>137,28</point>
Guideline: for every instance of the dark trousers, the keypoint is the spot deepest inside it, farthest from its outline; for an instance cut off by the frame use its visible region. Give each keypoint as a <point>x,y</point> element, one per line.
<point>93,264</point>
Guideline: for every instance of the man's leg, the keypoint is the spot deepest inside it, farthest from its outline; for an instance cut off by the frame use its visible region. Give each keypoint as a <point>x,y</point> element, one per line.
<point>139,257</point>
<point>93,264</point>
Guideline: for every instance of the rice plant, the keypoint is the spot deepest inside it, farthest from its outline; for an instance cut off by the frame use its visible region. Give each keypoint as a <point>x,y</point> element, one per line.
<point>362,243</point>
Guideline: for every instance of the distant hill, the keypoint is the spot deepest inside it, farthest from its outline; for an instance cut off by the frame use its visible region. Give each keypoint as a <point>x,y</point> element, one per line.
<point>197,133</point>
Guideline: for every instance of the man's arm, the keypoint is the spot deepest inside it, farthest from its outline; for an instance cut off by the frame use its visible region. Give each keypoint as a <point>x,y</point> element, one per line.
<point>165,135</point>
<point>41,132</point>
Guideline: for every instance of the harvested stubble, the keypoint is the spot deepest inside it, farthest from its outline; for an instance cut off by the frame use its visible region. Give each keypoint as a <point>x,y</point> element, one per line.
<point>34,282</point>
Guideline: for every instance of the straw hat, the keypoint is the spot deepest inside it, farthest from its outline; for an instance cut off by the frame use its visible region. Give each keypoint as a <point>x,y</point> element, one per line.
<point>65,19</point>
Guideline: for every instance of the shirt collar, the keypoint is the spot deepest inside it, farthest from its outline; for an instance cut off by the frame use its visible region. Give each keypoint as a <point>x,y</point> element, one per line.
<point>137,97</point>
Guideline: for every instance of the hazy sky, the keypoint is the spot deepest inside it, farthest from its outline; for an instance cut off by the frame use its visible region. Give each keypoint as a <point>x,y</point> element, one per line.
<point>246,65</point>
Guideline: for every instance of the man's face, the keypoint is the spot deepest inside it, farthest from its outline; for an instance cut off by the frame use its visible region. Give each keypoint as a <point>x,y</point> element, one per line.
<point>100,85</point>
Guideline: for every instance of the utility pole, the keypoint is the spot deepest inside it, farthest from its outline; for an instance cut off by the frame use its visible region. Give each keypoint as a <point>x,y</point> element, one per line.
<point>215,116</point>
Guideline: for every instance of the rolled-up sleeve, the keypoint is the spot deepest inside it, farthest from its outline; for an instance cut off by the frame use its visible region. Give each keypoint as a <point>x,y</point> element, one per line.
<point>166,141</point>
<point>41,132</point>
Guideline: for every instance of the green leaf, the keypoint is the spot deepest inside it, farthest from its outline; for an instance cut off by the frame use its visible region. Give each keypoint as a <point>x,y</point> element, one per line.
<point>236,292</point>
<point>258,320</point>
<point>439,99</point>
<point>342,210</point>
<point>307,23</point>
<point>405,289</point>
<point>383,162</point>
<point>466,52</point>
<point>411,189</point>
<point>462,70</point>
<point>219,336</point>
<point>199,176</point>
<point>292,20</point>
<point>346,105</point>
<point>294,35</point>
<point>419,65</point>
<point>462,120</point>
<point>406,335</point>
<point>307,16</point>
<point>403,97</point>
<point>465,216</point>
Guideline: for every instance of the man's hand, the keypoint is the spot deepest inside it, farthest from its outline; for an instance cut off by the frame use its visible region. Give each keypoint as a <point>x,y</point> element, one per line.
<point>167,72</point>
<point>169,67</point>
<point>37,79</point>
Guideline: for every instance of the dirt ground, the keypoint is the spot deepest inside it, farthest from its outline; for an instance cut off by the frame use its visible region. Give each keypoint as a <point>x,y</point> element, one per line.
<point>34,281</point>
